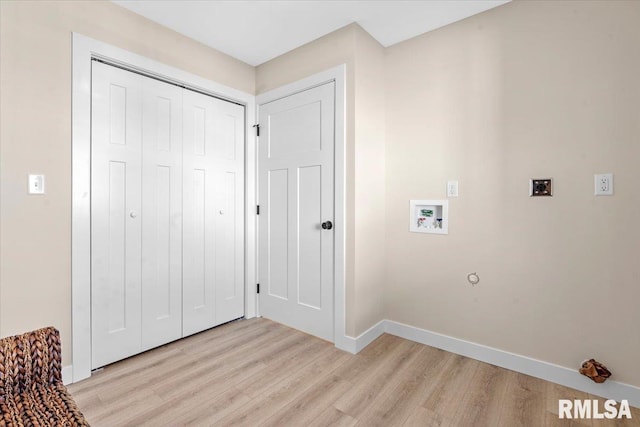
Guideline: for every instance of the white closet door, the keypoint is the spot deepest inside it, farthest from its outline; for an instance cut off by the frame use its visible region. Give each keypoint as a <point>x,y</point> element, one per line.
<point>162,213</point>
<point>115,214</point>
<point>212,208</point>
<point>167,213</point>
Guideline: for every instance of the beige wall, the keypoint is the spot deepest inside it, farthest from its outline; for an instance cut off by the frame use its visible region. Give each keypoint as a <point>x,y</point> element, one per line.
<point>35,137</point>
<point>368,305</point>
<point>529,89</point>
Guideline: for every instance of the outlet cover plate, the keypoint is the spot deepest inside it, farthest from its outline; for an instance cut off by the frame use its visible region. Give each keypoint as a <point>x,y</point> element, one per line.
<point>603,184</point>
<point>540,187</point>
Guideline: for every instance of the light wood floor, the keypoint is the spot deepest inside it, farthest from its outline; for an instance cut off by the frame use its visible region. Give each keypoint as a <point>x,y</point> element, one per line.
<point>257,372</point>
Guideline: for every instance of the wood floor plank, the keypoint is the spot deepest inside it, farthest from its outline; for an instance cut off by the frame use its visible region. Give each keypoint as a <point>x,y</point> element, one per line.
<point>368,359</point>
<point>365,390</point>
<point>89,402</point>
<point>202,408</point>
<point>220,369</point>
<point>120,371</point>
<point>304,409</point>
<point>332,417</point>
<point>483,400</point>
<point>303,350</point>
<point>285,391</point>
<point>190,367</point>
<point>257,372</point>
<point>164,361</point>
<point>445,398</point>
<point>408,389</point>
<point>119,412</point>
<point>420,416</point>
<point>214,337</point>
<point>526,403</point>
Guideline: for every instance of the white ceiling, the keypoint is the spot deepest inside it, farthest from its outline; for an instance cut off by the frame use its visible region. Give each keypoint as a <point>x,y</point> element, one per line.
<point>257,31</point>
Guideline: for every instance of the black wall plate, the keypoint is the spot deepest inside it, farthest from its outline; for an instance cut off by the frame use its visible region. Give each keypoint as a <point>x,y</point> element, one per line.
<point>541,187</point>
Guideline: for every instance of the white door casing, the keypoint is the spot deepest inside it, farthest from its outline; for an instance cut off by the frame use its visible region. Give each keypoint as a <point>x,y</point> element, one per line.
<point>296,188</point>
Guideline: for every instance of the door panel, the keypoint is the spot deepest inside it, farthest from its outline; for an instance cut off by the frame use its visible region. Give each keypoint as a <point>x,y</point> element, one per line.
<point>117,246</point>
<point>198,280</point>
<point>295,130</point>
<point>115,208</point>
<point>295,181</point>
<point>277,207</point>
<point>162,213</point>
<point>228,153</point>
<point>213,206</point>
<point>309,233</point>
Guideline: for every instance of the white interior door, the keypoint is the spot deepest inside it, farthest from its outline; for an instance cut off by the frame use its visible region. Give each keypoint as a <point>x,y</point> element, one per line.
<point>115,214</point>
<point>162,213</point>
<point>296,192</point>
<point>213,239</point>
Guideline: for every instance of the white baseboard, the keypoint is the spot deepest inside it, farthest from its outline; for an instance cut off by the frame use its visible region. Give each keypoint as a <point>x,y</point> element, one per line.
<point>346,343</point>
<point>67,374</point>
<point>536,368</point>
<point>355,345</point>
<point>368,336</point>
<point>526,365</point>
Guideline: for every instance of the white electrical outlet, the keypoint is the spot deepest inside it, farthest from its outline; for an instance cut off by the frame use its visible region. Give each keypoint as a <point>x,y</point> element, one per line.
<point>603,184</point>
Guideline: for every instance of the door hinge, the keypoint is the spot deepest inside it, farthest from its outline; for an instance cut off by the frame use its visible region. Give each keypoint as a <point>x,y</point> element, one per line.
<point>257,129</point>
<point>258,210</point>
<point>257,288</point>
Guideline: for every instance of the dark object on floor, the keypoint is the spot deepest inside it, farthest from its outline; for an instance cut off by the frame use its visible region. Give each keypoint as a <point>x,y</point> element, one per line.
<point>31,388</point>
<point>595,370</point>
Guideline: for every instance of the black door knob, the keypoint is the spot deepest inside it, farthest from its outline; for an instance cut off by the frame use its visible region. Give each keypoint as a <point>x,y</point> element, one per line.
<point>327,225</point>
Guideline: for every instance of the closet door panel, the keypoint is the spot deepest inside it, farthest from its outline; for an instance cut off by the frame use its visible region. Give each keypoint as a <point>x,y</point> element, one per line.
<point>198,284</point>
<point>213,209</point>
<point>229,158</point>
<point>115,214</point>
<point>162,213</point>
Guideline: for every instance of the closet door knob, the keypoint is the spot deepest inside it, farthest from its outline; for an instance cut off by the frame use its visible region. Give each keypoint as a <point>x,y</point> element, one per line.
<point>328,225</point>
<point>133,214</point>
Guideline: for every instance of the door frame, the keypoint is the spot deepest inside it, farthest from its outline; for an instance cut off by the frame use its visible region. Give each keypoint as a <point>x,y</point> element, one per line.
<point>338,76</point>
<point>84,50</point>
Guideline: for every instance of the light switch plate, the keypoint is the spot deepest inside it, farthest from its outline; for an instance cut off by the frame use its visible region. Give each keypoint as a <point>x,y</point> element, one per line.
<point>36,184</point>
<point>452,188</point>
